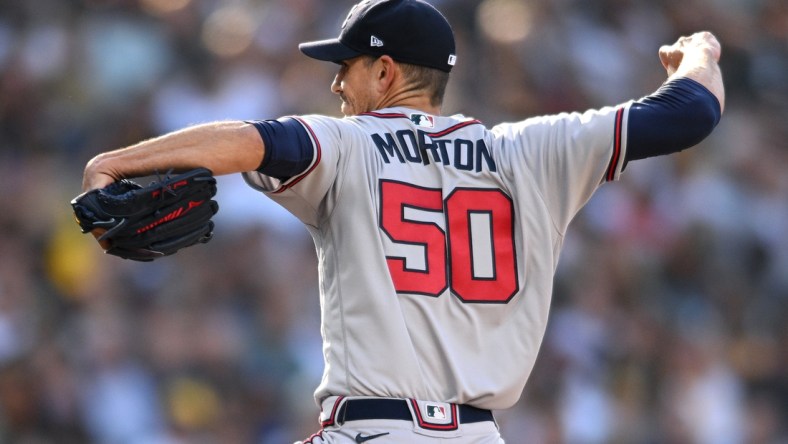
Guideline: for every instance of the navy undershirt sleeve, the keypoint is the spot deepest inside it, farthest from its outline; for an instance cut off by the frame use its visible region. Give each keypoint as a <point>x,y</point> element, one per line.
<point>288,149</point>
<point>677,116</point>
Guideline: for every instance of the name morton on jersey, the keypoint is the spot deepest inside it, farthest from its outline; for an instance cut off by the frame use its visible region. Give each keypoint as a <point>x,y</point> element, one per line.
<point>419,146</point>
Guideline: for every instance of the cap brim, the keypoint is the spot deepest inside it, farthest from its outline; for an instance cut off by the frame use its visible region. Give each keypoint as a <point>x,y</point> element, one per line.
<point>331,50</point>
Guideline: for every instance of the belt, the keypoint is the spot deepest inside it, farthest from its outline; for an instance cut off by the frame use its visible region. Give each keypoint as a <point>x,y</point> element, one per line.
<point>382,408</point>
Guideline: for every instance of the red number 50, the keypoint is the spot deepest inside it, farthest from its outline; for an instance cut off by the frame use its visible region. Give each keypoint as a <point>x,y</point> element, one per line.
<point>475,257</point>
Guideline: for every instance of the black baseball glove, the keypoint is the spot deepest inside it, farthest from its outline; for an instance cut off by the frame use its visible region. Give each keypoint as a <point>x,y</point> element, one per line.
<point>146,223</point>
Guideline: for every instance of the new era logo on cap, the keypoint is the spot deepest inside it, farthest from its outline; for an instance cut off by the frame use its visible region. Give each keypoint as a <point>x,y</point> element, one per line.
<point>376,42</point>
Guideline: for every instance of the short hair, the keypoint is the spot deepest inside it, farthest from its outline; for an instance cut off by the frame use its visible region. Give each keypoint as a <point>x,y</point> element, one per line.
<point>432,81</point>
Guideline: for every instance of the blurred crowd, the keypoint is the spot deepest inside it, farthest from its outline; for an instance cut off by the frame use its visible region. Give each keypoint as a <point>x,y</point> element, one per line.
<point>670,315</point>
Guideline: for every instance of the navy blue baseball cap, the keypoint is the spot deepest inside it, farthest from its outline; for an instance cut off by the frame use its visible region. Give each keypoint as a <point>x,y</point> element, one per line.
<point>409,31</point>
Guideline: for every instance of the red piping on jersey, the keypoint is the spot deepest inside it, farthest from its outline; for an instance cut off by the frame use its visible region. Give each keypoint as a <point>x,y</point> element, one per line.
<point>314,165</point>
<point>331,417</point>
<point>453,425</point>
<point>312,437</point>
<point>454,128</point>
<point>614,160</point>
<point>385,115</point>
<point>438,134</point>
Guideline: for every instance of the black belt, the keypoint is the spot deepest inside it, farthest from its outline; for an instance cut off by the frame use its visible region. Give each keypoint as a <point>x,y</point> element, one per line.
<point>382,408</point>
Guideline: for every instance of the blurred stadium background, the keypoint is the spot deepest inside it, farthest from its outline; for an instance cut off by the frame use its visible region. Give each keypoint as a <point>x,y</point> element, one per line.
<point>670,318</point>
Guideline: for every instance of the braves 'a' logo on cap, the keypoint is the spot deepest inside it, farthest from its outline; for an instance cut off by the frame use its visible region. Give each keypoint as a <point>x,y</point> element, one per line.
<point>353,10</point>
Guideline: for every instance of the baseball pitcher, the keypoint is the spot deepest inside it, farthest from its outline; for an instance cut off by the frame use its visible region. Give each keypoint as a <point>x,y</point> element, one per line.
<point>437,237</point>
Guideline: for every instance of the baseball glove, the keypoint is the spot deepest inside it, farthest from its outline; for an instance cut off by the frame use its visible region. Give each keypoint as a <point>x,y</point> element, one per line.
<point>146,223</point>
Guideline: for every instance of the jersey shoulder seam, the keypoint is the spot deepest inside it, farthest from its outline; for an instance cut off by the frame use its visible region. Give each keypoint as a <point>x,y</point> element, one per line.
<point>339,182</point>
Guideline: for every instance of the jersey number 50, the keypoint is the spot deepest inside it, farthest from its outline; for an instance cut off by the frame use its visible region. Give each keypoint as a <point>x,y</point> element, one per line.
<point>475,256</point>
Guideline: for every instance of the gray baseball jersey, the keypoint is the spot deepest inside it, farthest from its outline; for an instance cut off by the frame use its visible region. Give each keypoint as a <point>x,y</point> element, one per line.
<point>437,241</point>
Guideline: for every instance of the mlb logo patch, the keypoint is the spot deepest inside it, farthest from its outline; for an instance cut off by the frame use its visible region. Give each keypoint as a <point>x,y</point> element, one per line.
<point>423,120</point>
<point>436,411</point>
<point>434,415</point>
